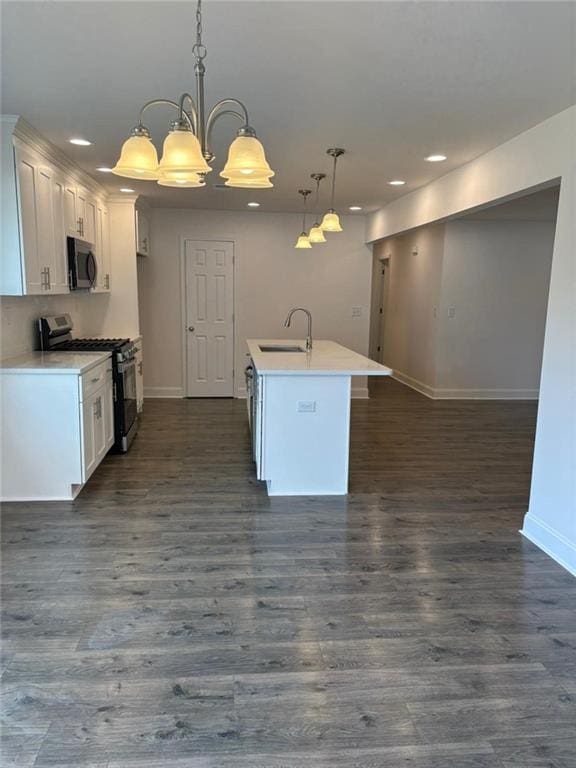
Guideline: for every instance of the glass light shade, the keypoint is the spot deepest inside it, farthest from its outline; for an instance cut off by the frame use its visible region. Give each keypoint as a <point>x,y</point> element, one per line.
<point>331,222</point>
<point>193,180</point>
<point>182,153</point>
<point>316,235</point>
<point>246,159</point>
<point>303,241</point>
<point>138,159</point>
<point>249,183</point>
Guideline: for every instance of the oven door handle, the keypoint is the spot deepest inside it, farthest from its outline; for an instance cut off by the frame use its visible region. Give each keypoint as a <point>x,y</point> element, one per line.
<point>125,366</point>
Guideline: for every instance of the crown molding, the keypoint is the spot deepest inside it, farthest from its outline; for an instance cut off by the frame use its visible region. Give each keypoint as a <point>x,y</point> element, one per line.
<point>29,136</point>
<point>123,197</point>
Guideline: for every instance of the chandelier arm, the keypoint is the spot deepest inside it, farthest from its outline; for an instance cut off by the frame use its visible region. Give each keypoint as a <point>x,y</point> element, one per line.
<point>232,102</point>
<point>171,103</point>
<point>218,111</point>
<point>193,111</point>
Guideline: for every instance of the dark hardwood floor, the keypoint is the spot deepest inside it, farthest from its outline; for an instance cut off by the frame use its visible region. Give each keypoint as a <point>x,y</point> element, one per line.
<point>174,615</point>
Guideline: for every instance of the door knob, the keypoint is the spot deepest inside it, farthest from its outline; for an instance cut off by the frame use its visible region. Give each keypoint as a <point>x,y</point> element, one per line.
<point>191,328</point>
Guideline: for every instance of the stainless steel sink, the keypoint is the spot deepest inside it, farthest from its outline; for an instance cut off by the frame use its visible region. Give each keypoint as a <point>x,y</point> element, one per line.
<point>280,348</point>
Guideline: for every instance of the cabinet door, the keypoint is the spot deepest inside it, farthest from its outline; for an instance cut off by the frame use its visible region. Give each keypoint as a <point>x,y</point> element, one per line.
<point>59,268</point>
<point>89,222</point>
<point>102,250</point>
<point>45,224</point>
<point>71,222</point>
<point>34,276</point>
<point>108,408</point>
<point>81,211</point>
<point>89,458</point>
<point>100,425</point>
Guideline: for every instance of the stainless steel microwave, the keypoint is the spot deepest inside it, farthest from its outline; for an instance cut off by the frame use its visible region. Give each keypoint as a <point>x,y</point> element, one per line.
<point>82,265</point>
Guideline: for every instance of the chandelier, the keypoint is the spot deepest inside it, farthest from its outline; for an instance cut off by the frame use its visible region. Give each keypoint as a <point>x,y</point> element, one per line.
<point>187,147</point>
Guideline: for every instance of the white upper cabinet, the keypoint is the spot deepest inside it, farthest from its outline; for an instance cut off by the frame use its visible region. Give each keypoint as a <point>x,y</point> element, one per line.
<point>33,271</point>
<point>102,249</point>
<point>41,207</point>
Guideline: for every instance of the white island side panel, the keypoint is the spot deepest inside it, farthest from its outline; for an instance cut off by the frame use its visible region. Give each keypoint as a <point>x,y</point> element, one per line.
<point>306,452</point>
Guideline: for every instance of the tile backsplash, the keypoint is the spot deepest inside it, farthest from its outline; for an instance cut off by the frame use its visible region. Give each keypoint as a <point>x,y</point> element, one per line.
<point>19,317</point>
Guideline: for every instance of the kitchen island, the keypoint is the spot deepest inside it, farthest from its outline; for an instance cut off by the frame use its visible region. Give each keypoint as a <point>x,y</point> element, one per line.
<point>299,410</point>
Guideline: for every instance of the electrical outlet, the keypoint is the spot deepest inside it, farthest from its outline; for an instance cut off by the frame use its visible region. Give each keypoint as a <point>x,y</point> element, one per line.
<point>306,406</point>
<point>356,311</point>
<point>451,311</point>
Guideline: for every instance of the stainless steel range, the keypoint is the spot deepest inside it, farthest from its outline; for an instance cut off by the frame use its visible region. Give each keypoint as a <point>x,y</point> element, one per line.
<point>56,336</point>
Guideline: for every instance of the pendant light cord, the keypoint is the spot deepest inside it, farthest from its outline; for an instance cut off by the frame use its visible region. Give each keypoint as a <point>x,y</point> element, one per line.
<point>304,214</point>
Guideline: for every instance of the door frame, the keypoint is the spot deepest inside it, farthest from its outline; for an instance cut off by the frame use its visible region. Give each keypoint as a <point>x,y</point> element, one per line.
<point>197,237</point>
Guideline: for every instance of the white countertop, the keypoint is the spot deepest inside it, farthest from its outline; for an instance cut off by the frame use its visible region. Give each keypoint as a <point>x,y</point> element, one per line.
<point>53,362</point>
<point>327,358</point>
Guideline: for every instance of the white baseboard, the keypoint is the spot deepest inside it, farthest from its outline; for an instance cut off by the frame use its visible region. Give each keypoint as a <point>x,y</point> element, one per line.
<point>557,546</point>
<point>465,394</point>
<point>419,386</point>
<point>163,392</point>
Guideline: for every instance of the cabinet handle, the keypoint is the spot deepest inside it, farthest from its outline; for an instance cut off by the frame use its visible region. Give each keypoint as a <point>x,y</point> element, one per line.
<point>140,367</point>
<point>79,228</point>
<point>108,282</point>
<point>43,279</point>
<point>49,280</point>
<point>93,381</point>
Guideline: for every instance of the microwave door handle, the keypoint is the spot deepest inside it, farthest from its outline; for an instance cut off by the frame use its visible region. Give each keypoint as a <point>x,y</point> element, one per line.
<point>93,270</point>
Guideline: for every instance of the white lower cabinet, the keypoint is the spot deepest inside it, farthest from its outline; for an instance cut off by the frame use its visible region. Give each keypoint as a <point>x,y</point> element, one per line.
<point>57,427</point>
<point>97,427</point>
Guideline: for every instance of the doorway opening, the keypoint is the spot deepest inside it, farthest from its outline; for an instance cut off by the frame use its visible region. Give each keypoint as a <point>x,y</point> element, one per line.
<point>208,313</point>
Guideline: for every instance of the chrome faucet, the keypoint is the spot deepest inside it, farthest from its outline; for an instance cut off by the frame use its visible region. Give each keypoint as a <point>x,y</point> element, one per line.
<point>309,316</point>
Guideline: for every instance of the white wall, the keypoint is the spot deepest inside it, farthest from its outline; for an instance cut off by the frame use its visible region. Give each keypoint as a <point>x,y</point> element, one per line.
<point>495,281</point>
<point>270,277</point>
<point>413,295</point>
<point>544,153</point>
<point>113,314</point>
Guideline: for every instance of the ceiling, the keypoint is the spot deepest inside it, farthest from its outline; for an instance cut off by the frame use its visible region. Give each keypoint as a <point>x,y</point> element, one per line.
<point>391,82</point>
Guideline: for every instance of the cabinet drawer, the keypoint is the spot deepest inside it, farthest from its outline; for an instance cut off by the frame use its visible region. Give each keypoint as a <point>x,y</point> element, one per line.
<point>95,378</point>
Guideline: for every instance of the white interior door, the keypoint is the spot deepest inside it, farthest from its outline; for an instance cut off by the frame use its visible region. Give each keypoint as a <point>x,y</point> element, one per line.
<point>209,318</point>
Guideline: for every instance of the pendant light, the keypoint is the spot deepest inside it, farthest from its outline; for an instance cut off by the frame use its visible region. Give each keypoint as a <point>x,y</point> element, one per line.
<point>187,148</point>
<point>331,220</point>
<point>303,241</point>
<point>316,235</point>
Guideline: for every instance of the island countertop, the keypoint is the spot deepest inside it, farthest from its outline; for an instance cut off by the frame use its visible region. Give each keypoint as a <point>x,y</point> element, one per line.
<point>326,358</point>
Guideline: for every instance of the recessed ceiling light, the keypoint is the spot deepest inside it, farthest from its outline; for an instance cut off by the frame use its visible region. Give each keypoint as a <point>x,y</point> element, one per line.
<point>104,169</point>
<point>253,205</point>
<point>81,142</point>
<point>436,158</point>
<point>355,208</point>
<point>126,189</point>
<point>396,183</point>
